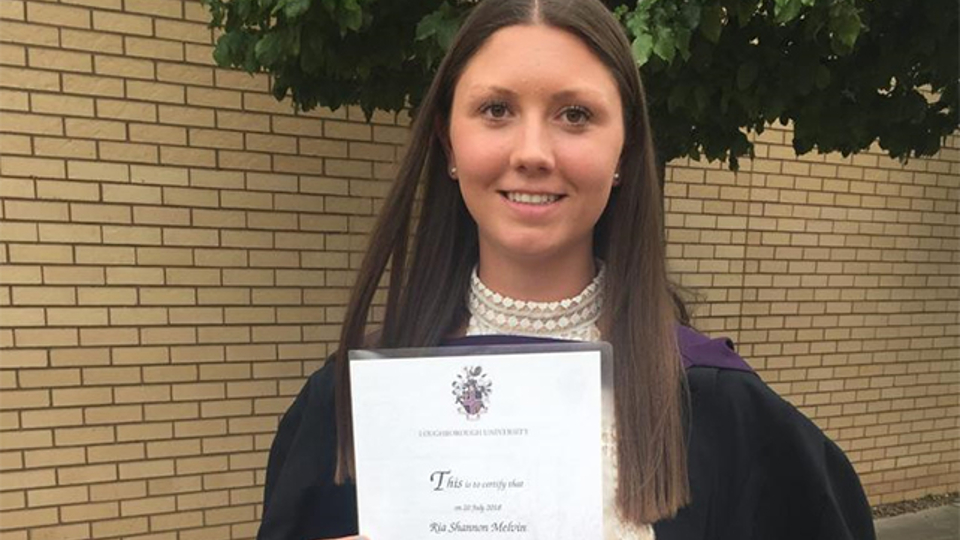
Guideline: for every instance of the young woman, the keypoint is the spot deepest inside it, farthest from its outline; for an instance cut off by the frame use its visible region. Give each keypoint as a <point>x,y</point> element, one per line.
<point>533,155</point>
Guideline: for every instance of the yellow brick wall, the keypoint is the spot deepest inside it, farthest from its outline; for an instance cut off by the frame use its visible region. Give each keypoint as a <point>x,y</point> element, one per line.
<point>839,278</point>
<point>176,249</point>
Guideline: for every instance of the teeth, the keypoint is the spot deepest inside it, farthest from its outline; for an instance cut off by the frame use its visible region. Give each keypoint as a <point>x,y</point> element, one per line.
<point>532,198</point>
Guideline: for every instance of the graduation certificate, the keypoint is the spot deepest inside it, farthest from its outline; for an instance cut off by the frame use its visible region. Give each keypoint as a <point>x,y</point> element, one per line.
<point>481,442</point>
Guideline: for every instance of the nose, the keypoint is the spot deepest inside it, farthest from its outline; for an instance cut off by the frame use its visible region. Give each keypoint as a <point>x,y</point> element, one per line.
<point>533,151</point>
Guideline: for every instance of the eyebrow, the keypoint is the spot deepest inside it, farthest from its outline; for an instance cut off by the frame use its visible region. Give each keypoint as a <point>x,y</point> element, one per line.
<point>561,95</point>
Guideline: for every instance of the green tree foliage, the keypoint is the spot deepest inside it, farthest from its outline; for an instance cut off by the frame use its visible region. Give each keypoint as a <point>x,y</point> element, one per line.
<point>845,73</point>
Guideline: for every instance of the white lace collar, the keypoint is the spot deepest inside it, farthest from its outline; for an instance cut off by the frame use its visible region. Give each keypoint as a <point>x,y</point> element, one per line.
<point>571,318</point>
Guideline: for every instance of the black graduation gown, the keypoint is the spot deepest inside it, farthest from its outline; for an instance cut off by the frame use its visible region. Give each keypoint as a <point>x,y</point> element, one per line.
<point>759,469</point>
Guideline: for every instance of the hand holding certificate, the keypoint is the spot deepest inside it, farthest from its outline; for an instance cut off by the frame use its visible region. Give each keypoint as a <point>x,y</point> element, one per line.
<point>498,442</point>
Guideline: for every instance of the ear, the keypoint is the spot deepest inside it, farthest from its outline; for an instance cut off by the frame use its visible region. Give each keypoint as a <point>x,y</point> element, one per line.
<point>443,135</point>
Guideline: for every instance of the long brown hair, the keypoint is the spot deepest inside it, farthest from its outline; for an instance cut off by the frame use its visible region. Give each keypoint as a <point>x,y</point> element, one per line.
<point>426,298</point>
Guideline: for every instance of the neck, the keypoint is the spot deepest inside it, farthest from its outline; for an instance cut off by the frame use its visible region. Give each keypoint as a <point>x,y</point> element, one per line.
<point>537,280</point>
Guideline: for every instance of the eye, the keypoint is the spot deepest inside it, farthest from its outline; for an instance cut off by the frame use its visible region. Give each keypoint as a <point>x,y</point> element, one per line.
<point>495,110</point>
<point>576,115</point>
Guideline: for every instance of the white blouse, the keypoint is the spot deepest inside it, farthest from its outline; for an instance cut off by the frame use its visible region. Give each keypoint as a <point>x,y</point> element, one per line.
<point>571,319</point>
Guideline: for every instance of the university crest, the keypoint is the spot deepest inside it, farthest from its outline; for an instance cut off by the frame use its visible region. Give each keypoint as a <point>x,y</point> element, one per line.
<point>472,391</point>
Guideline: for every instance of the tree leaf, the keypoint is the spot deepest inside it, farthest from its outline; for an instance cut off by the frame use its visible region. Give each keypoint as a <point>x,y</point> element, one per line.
<point>822,79</point>
<point>291,8</point>
<point>746,75</point>
<point>271,48</point>
<point>664,44</point>
<point>711,22</point>
<point>845,29</point>
<point>785,11</point>
<point>642,46</point>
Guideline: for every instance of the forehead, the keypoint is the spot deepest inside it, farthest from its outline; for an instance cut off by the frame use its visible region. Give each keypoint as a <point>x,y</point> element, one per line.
<point>534,58</point>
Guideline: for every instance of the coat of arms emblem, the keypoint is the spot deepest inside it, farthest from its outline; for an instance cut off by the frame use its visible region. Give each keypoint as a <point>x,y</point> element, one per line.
<point>472,391</point>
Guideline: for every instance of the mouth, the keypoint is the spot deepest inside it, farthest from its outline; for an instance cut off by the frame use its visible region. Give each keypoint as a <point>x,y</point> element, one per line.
<point>538,199</point>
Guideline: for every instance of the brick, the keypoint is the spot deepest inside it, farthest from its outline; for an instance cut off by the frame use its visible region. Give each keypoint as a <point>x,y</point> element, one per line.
<point>157,134</point>
<point>58,15</point>
<point>186,116</point>
<point>271,143</point>
<point>101,213</point>
<point>347,130</point>
<point>142,394</point>
<point>64,148</point>
<point>298,164</point>
<point>193,276</point>
<point>30,337</point>
<point>265,102</point>
<point>60,60</point>
<point>54,457</point>
<point>22,317</point>
<point>124,67</point>
<point>398,135</point>
<point>161,8</point>
<point>13,100</point>
<point>155,91</point>
<point>122,23</point>
<point>16,519</point>
<point>106,296</point>
<point>31,124</point>
<point>32,167</point>
<point>189,237</point>
<point>194,157</point>
<point>13,55</point>
<point>30,79</point>
<point>150,215</point>
<point>160,49</point>
<point>238,80</point>
<point>141,153</point>
<point>170,411</point>
<point>168,176</point>
<point>70,234</point>
<point>36,211</point>
<point>48,378</point>
<point>92,85</point>
<point>132,194</point>
<point>73,275</point>
<point>81,396</point>
<point>249,161</point>
<point>184,31</point>
<point>117,491</point>
<point>95,129</point>
<point>15,144</point>
<point>243,121</point>
<point>184,74</point>
<point>108,336</point>
<point>76,531</point>
<point>57,496</point>
<point>126,110</point>
<point>55,417</point>
<point>91,41</point>
<point>210,97</point>
<point>214,138</point>
<point>62,105</point>
<point>13,10</point>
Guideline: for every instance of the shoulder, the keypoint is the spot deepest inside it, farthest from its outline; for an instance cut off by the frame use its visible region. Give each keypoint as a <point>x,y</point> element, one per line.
<point>316,393</point>
<point>697,349</point>
<point>772,472</point>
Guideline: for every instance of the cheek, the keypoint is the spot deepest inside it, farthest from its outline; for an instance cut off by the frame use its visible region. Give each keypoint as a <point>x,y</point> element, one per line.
<point>591,166</point>
<point>479,155</point>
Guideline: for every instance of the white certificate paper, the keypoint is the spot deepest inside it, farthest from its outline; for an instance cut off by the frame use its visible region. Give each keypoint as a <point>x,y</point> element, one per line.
<point>490,442</point>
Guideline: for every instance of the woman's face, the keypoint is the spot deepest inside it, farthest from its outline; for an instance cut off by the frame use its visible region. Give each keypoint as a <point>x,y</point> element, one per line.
<point>536,131</point>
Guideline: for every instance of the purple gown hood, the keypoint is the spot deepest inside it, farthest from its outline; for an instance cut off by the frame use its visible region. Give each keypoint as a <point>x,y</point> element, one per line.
<point>696,349</point>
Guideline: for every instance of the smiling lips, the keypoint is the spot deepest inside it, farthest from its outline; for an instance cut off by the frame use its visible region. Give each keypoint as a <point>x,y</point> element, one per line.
<point>531,198</point>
